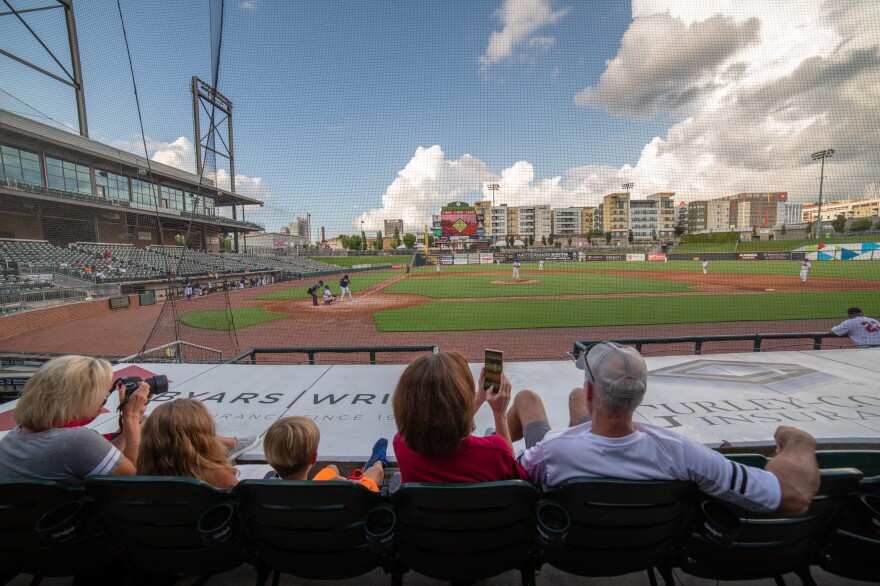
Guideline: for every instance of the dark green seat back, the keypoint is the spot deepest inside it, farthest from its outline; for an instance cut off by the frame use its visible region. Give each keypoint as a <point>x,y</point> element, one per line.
<point>465,532</point>
<point>22,550</point>
<point>868,461</point>
<point>769,546</point>
<point>308,529</point>
<point>156,518</point>
<point>621,526</point>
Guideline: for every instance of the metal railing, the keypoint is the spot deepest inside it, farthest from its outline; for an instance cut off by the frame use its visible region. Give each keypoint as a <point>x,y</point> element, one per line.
<point>174,352</point>
<point>251,353</point>
<point>698,341</point>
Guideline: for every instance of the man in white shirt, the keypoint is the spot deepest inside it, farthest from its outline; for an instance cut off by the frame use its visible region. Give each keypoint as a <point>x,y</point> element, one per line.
<point>603,440</point>
<point>863,331</point>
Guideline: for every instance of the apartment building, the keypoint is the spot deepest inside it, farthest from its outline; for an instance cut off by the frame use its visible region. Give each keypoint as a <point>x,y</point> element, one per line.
<point>497,222</point>
<point>851,208</point>
<point>567,221</point>
<point>587,215</point>
<point>484,208</point>
<point>665,214</point>
<point>698,212</point>
<point>534,221</point>
<point>616,217</point>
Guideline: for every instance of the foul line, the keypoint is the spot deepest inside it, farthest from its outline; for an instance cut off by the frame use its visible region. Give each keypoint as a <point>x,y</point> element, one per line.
<point>387,284</point>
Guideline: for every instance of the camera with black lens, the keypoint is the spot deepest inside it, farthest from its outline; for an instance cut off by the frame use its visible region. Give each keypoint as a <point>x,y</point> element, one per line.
<point>158,384</point>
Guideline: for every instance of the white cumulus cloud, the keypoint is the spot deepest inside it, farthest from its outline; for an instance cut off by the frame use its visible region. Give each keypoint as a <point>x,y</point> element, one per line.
<point>520,19</point>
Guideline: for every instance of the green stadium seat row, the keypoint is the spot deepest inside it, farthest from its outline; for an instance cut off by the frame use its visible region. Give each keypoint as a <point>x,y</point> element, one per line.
<point>456,532</point>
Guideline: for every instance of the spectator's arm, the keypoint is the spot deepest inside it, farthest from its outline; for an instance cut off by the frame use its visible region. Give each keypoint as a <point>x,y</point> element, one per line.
<point>796,469</point>
<point>499,402</point>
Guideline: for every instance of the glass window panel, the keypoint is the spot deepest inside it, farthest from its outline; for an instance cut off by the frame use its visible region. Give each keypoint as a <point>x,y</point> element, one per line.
<point>33,177</point>
<point>8,150</point>
<point>57,182</point>
<point>12,172</point>
<point>68,165</point>
<point>30,164</point>
<point>27,156</point>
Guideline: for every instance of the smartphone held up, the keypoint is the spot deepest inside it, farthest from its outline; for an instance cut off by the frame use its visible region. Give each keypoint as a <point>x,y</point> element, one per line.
<point>494,366</point>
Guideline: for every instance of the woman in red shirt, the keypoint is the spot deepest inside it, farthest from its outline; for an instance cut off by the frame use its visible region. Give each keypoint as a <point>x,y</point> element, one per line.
<point>434,406</point>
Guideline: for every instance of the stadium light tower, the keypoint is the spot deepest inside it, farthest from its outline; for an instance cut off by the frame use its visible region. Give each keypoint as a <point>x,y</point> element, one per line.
<point>363,237</point>
<point>493,187</point>
<point>627,186</point>
<point>816,156</point>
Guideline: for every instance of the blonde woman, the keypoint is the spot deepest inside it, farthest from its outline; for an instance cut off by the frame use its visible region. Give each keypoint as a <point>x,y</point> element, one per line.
<point>179,439</point>
<point>50,440</point>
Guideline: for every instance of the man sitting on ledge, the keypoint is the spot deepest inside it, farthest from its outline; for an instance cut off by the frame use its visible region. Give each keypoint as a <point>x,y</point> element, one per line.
<point>603,440</point>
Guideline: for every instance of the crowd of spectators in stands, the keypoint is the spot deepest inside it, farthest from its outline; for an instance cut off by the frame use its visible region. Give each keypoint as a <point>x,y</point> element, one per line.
<point>189,289</point>
<point>434,405</point>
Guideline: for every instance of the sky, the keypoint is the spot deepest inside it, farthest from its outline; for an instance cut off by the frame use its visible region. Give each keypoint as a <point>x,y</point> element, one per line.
<point>360,112</point>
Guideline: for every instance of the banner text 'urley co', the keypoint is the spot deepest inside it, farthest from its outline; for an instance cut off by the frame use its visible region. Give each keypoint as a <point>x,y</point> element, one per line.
<point>766,410</point>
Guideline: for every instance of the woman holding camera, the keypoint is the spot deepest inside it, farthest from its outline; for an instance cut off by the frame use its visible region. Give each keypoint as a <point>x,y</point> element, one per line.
<point>179,439</point>
<point>434,406</point>
<point>50,440</point>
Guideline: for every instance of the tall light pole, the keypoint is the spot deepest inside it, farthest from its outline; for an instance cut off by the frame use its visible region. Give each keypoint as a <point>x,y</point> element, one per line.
<point>815,156</point>
<point>627,186</point>
<point>493,187</point>
<point>363,237</point>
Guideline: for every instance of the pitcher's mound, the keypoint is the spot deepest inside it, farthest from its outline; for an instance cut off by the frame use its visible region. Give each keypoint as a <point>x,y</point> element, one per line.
<point>515,282</point>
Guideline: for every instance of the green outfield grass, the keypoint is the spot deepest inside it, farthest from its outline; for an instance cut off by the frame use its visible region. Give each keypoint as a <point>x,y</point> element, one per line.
<point>219,319</point>
<point>555,313</point>
<point>350,261</point>
<point>550,284</point>
<point>769,245</point>
<point>358,281</point>
<point>835,269</point>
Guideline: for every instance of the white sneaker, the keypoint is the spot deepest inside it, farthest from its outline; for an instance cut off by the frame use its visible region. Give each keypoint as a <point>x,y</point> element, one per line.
<point>242,445</point>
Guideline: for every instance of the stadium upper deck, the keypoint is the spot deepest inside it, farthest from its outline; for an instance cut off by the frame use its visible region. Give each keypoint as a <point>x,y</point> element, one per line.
<point>64,188</point>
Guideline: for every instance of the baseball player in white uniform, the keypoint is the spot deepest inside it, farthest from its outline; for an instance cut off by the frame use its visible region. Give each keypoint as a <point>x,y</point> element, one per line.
<point>705,267</point>
<point>540,265</point>
<point>438,265</point>
<point>805,270</point>
<point>516,269</point>
<point>863,331</point>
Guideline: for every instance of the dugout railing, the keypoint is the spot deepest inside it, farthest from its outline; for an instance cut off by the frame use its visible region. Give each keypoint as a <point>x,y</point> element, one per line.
<point>311,351</point>
<point>698,341</point>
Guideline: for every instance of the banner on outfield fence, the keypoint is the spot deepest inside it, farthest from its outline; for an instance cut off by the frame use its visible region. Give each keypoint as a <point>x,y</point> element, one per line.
<point>487,258</point>
<point>601,257</point>
<point>459,260</point>
<point>447,259</point>
<point>556,255</point>
<point>635,257</point>
<point>656,257</point>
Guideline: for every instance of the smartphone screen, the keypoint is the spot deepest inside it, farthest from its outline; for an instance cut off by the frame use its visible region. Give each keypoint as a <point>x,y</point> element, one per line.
<point>494,367</point>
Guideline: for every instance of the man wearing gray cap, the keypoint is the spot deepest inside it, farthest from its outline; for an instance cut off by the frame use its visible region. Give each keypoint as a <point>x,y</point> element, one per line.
<point>863,331</point>
<point>603,440</point>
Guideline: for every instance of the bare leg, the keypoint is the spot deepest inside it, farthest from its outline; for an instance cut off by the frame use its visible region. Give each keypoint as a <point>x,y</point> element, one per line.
<point>577,406</point>
<point>527,407</point>
<point>376,473</point>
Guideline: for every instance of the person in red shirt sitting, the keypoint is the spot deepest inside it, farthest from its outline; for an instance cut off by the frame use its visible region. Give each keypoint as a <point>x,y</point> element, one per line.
<point>434,406</point>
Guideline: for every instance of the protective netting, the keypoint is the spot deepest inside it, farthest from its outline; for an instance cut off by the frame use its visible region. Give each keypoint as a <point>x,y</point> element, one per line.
<point>512,175</point>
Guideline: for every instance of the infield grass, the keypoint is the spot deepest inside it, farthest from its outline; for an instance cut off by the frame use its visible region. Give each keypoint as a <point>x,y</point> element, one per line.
<point>620,311</point>
<point>219,319</point>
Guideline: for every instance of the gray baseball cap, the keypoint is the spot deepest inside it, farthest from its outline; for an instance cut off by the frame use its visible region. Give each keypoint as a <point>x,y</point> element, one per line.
<point>607,364</point>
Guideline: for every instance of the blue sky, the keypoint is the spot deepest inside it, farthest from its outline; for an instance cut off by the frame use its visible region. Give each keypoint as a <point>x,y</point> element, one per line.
<point>368,111</point>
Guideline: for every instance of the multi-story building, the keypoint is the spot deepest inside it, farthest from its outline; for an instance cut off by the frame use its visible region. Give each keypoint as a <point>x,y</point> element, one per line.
<point>754,210</point>
<point>512,220</point>
<point>681,215</point>
<point>498,220</point>
<point>391,225</point>
<point>616,216</point>
<point>587,215</point>
<point>599,218</point>
<point>567,221</point>
<point>872,190</point>
<point>534,221</point>
<point>665,214</point>
<point>851,208</point>
<point>718,215</point>
<point>698,213</point>
<point>643,218</point>
<point>789,214</point>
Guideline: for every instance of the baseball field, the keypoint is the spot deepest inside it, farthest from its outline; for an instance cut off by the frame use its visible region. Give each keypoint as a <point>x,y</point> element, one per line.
<point>472,307</point>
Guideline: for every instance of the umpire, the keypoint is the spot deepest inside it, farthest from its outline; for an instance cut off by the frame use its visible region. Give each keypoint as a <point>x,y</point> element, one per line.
<point>313,291</point>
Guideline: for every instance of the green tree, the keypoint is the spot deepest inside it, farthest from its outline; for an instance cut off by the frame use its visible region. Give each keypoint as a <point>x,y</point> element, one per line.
<point>783,229</point>
<point>531,239</point>
<point>653,234</point>
<point>396,233</point>
<point>569,240</point>
<point>839,224</point>
<point>430,240</point>
<point>550,240</point>
<point>810,226</point>
<point>510,240</point>
<point>590,237</point>
<point>363,240</point>
<point>608,237</point>
<point>409,240</point>
<point>395,241</point>
<point>354,242</point>
<point>630,237</point>
<point>860,224</point>
<point>679,230</point>
<point>754,232</point>
<point>543,241</point>
<point>344,241</point>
